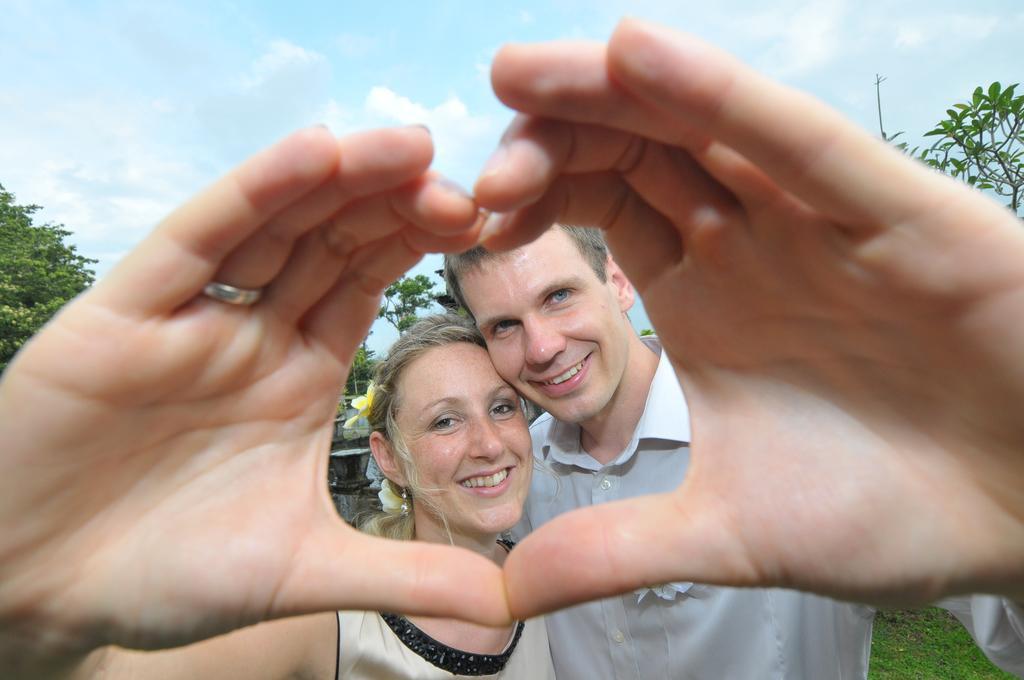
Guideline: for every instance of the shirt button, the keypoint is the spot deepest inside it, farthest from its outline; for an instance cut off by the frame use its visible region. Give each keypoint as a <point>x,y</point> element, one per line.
<point>618,637</point>
<point>605,485</point>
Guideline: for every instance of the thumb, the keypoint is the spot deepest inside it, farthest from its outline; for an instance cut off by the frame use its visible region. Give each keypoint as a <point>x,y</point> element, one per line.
<point>617,547</point>
<point>346,569</point>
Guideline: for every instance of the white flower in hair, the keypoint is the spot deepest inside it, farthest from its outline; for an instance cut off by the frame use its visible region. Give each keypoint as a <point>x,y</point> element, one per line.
<point>390,501</point>
<point>362,405</point>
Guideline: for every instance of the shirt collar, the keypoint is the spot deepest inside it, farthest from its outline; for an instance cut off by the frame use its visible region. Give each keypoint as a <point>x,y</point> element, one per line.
<point>665,417</point>
<point>666,414</point>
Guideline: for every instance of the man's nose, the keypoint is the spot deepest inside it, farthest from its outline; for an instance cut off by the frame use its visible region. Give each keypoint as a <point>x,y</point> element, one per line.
<point>543,342</point>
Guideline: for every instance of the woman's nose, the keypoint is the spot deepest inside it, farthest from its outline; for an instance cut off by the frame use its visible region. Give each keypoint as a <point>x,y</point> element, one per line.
<point>487,442</point>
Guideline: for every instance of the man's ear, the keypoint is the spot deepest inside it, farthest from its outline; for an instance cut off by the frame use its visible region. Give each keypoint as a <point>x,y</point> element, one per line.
<point>386,459</point>
<point>624,291</point>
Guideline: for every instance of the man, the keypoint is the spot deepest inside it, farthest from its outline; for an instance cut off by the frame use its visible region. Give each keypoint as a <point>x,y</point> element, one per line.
<point>553,313</point>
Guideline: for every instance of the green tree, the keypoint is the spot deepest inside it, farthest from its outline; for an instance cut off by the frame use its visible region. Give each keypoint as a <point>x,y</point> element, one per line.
<point>404,299</point>
<point>982,143</point>
<point>39,273</point>
<point>361,372</point>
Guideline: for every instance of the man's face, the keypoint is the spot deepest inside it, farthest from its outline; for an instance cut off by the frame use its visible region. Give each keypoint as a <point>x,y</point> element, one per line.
<point>554,331</point>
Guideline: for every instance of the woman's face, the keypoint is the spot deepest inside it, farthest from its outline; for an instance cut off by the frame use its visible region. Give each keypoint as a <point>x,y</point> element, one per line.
<point>468,440</point>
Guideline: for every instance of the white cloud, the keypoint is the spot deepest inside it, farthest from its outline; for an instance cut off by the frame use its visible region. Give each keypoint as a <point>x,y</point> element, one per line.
<point>909,37</point>
<point>280,60</point>
<point>483,72</point>
<point>355,45</point>
<point>945,26</point>
<point>107,168</point>
<point>383,102</point>
<point>284,89</point>
<point>462,140</point>
<point>970,26</point>
<point>801,40</point>
<point>336,117</point>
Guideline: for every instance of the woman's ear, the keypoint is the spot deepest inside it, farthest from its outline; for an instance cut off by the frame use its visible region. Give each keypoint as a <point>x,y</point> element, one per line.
<point>386,459</point>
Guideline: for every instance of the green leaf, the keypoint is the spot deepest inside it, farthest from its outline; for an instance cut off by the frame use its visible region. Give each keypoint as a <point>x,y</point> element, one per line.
<point>978,96</point>
<point>993,90</point>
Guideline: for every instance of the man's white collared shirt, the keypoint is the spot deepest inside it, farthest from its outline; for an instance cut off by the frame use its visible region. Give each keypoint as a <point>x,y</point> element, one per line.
<point>684,630</point>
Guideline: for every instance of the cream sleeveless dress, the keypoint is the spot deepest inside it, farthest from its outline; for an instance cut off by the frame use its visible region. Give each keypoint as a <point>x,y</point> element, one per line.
<point>369,649</point>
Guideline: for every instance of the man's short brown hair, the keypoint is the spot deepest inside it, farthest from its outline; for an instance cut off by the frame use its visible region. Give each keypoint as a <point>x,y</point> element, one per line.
<point>589,242</point>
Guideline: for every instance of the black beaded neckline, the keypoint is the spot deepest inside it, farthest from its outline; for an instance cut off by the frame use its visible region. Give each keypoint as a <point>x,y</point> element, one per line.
<point>448,658</point>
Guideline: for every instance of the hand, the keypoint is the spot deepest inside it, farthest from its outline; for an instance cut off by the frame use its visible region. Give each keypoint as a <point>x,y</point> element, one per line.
<point>164,456</point>
<point>847,326</point>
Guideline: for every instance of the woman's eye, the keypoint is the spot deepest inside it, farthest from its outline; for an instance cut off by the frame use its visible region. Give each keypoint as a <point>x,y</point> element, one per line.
<point>443,423</point>
<point>504,409</point>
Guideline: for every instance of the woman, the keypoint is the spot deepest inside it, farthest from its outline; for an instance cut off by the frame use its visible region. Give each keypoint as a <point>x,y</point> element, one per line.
<point>451,438</point>
<point>165,437</point>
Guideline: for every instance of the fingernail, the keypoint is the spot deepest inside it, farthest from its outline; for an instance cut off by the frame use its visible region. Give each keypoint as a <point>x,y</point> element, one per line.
<point>422,127</point>
<point>494,163</point>
<point>453,187</point>
<point>493,225</point>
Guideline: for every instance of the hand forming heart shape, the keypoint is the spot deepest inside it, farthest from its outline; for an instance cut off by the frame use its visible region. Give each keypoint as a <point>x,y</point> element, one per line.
<point>845,324</point>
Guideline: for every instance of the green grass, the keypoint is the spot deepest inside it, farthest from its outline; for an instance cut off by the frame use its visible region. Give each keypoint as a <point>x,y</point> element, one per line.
<point>926,644</point>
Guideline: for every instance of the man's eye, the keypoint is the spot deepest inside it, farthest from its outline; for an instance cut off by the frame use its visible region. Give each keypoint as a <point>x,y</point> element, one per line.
<point>560,295</point>
<point>503,327</point>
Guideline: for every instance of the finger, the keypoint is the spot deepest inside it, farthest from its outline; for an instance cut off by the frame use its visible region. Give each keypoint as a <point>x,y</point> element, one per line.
<point>653,199</point>
<point>805,146</point>
<point>569,80</point>
<point>603,200</point>
<point>343,569</point>
<point>619,547</point>
<point>187,249</point>
<point>257,261</point>
<point>430,213</point>
<point>751,187</point>
<point>534,152</point>
<point>172,265</point>
<point>432,205</point>
<point>370,162</point>
<point>703,94</point>
<point>341,319</point>
<point>428,242</point>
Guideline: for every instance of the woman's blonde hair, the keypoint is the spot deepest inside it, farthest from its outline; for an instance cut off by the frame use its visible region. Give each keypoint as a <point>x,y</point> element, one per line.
<point>430,332</point>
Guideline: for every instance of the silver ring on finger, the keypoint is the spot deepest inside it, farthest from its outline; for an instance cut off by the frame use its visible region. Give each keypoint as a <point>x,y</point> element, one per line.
<point>232,295</point>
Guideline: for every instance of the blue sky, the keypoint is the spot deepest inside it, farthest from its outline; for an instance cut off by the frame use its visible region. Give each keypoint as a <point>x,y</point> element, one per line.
<point>113,112</point>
